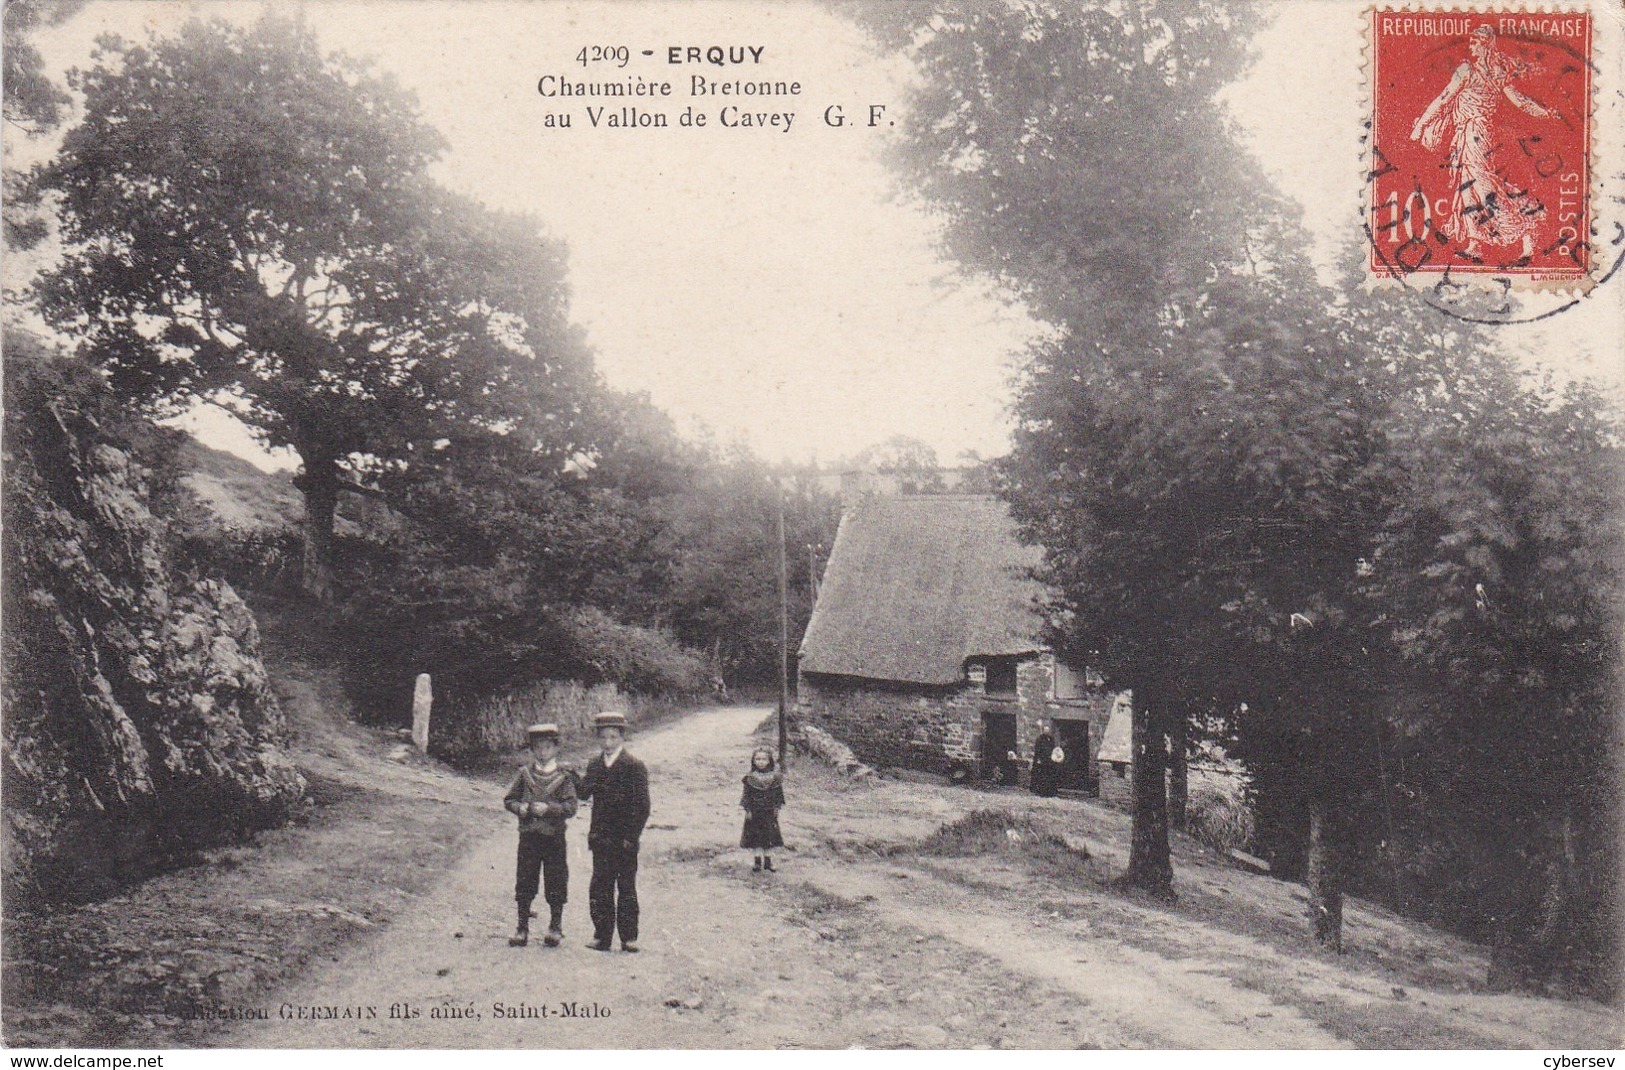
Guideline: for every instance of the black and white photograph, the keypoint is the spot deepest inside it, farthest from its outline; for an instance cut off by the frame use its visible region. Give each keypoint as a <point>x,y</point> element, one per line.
<point>963,525</point>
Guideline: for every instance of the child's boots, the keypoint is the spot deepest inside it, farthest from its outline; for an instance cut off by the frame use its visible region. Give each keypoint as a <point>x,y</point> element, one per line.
<point>757,866</point>
<point>555,928</point>
<point>767,865</point>
<point>521,934</point>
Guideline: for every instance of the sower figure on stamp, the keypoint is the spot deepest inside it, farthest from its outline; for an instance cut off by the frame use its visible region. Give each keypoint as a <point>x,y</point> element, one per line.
<point>618,785</point>
<point>1485,206</point>
<point>543,797</point>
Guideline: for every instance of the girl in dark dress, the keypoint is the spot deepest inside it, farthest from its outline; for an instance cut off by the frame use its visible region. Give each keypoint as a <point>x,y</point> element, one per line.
<point>761,800</point>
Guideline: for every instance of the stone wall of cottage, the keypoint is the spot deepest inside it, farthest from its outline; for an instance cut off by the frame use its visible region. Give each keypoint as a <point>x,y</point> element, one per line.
<point>934,728</point>
<point>927,728</point>
<point>1035,688</point>
<point>1116,784</point>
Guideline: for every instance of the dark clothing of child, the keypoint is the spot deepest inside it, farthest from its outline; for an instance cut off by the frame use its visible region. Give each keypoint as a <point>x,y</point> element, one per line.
<point>620,809</point>
<point>555,791</point>
<point>762,798</point>
<point>620,795</point>
<point>541,861</point>
<point>612,894</point>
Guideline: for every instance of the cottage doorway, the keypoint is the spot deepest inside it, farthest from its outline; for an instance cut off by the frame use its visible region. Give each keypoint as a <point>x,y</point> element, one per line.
<point>1073,739</point>
<point>999,763</point>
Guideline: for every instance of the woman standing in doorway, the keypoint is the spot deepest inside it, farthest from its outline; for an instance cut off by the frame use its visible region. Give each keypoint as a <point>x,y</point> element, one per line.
<point>1046,776</point>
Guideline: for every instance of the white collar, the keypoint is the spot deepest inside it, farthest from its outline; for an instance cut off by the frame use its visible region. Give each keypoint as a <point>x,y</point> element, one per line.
<point>548,768</point>
<point>609,759</point>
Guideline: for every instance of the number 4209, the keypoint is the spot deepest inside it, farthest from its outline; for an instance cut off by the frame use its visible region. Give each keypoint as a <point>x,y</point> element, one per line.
<point>619,55</point>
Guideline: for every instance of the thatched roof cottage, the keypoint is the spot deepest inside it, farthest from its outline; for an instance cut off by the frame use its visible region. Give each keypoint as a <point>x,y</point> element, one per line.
<point>925,648</point>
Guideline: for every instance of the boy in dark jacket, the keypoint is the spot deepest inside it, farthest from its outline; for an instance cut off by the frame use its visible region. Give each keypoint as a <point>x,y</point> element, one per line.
<point>618,785</point>
<point>543,797</point>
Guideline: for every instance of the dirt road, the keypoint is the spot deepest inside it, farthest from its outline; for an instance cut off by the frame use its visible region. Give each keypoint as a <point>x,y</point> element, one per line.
<point>858,943</point>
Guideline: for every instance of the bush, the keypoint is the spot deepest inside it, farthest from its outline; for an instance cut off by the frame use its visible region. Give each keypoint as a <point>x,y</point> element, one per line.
<point>1220,819</point>
<point>497,668</point>
<point>637,659</point>
<point>639,671</point>
<point>258,559</point>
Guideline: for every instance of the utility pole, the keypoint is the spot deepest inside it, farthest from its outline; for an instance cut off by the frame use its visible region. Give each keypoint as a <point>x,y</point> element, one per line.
<point>784,633</point>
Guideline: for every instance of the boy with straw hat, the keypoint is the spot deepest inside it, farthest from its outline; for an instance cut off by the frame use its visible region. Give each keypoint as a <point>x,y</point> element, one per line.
<point>543,797</point>
<point>618,784</point>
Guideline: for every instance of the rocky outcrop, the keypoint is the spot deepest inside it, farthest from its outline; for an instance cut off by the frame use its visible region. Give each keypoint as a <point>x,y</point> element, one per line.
<point>139,721</point>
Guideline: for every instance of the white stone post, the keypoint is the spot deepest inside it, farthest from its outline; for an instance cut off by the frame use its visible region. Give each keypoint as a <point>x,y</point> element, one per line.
<point>422,698</point>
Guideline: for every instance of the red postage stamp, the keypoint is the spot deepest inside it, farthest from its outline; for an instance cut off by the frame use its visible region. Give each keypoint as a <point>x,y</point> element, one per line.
<point>1480,144</point>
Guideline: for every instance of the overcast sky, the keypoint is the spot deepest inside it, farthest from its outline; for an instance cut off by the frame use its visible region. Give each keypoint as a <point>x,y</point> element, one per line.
<point>770,285</point>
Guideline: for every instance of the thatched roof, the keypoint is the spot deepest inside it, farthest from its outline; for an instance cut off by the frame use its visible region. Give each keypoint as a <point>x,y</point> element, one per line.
<point>916,585</point>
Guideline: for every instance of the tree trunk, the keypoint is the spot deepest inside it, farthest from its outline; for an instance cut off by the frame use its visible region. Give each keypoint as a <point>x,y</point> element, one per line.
<point>1325,874</point>
<point>319,484</point>
<point>1178,777</point>
<point>1390,840</point>
<point>1534,937</point>
<point>1552,933</point>
<point>1148,865</point>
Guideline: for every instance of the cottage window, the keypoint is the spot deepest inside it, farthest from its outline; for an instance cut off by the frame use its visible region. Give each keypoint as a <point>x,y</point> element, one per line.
<point>1070,685</point>
<point>1001,679</point>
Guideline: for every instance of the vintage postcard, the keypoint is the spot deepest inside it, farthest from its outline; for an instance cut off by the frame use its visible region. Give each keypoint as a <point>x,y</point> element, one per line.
<point>812,525</point>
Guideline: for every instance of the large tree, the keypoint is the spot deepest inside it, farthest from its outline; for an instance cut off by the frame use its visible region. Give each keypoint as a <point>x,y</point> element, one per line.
<point>1496,589</point>
<point>1256,498</point>
<point>248,221</point>
<point>696,528</point>
<point>1080,159</point>
<point>912,461</point>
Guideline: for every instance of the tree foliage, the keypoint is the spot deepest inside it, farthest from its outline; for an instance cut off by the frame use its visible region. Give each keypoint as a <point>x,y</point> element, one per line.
<point>651,564</point>
<point>699,547</point>
<point>249,221</point>
<point>32,101</point>
<point>1496,591</point>
<point>1035,130</point>
<point>912,461</point>
<point>33,104</point>
<point>1337,525</point>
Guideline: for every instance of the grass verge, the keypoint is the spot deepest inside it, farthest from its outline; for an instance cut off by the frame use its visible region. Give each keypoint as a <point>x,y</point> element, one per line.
<point>150,966</point>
